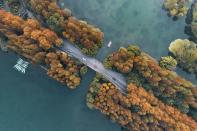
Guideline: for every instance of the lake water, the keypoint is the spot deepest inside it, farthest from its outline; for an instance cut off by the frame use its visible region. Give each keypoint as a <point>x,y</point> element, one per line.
<point>35,102</point>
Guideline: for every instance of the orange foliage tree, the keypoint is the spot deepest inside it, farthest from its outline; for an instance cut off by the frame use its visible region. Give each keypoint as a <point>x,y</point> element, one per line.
<point>139,109</point>
<point>87,37</point>
<point>36,43</point>
<point>165,84</point>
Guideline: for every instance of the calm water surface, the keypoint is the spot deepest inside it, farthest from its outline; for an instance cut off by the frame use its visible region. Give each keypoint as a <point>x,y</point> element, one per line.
<point>35,102</point>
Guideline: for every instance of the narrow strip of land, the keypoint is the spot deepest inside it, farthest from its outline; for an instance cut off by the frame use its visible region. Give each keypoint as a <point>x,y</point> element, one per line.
<point>116,78</point>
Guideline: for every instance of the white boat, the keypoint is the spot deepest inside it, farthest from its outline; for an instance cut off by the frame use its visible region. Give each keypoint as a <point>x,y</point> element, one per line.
<point>109,44</point>
<point>84,59</point>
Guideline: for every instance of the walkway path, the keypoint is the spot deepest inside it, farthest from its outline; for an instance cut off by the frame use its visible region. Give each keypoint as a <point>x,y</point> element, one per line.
<point>114,77</point>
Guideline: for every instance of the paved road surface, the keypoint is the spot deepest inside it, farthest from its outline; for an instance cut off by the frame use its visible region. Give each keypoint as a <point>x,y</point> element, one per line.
<point>114,77</point>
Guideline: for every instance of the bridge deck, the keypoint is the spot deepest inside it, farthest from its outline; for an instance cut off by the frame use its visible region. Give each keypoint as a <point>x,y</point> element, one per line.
<point>116,78</point>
